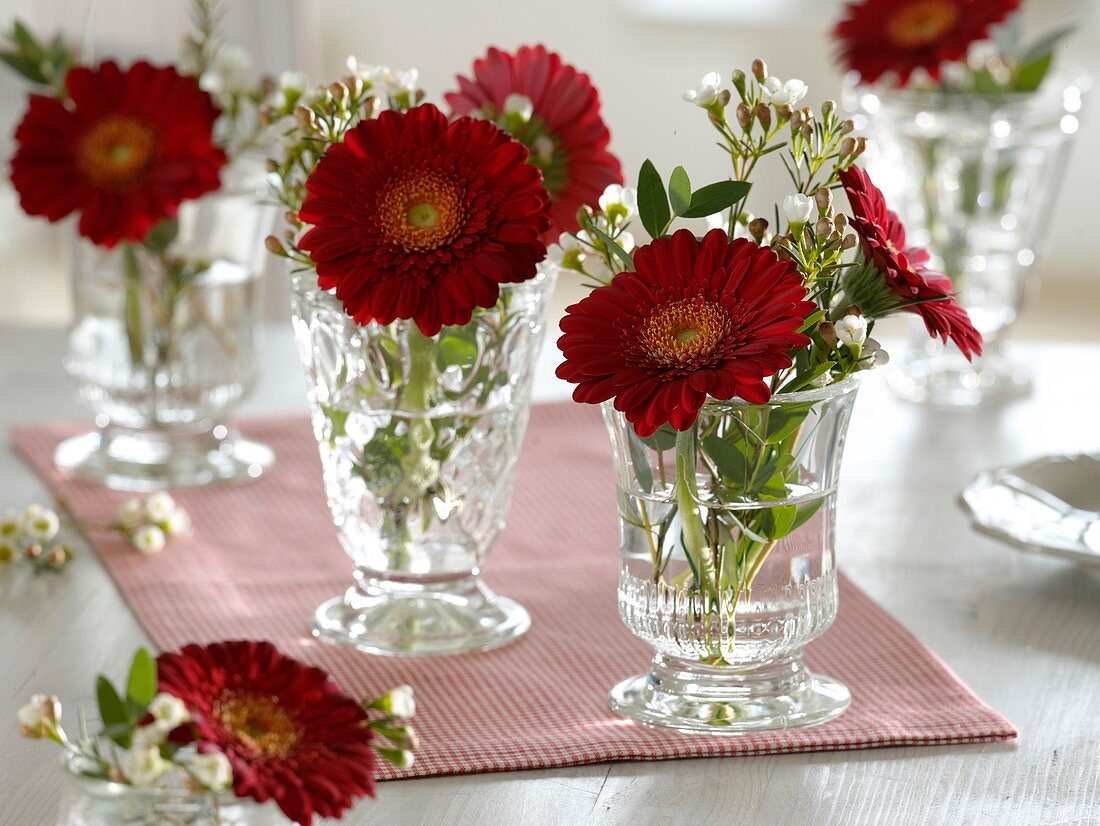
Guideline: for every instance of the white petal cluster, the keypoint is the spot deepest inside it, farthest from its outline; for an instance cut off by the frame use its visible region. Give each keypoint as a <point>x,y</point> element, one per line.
<point>148,539</point>
<point>521,105</point>
<point>148,525</point>
<point>619,202</point>
<point>391,82</point>
<point>852,330</point>
<point>706,92</point>
<point>142,764</point>
<point>775,91</point>
<point>402,703</point>
<point>39,523</point>
<point>212,770</point>
<point>798,209</point>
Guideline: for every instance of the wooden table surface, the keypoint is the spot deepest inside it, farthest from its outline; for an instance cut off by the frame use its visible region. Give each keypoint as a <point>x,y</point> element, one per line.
<point>1022,631</point>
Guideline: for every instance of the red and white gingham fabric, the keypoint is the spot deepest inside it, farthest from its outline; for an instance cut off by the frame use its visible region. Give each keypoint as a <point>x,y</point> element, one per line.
<point>264,555</point>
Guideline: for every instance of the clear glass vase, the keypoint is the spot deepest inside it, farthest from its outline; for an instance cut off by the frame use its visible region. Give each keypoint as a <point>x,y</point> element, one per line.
<point>728,568</point>
<point>419,439</point>
<point>164,346</point>
<point>974,180</point>
<point>91,801</point>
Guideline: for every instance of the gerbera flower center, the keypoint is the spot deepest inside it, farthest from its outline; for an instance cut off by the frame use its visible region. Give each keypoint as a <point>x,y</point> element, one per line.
<point>685,331</point>
<point>421,212</point>
<point>260,724</point>
<point>117,152</point>
<point>922,23</point>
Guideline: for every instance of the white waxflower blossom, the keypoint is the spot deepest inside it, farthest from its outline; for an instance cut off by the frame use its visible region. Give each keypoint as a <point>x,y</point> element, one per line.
<point>775,91</point>
<point>295,81</point>
<point>130,514</point>
<point>543,147</point>
<point>619,201</point>
<point>873,355</point>
<point>168,711</point>
<point>149,539</point>
<point>178,523</point>
<point>822,380</point>
<point>402,703</point>
<point>516,104</point>
<point>626,241</point>
<point>706,92</point>
<point>40,524</point>
<point>798,209</point>
<point>852,330</point>
<point>213,769</point>
<point>595,267</point>
<point>721,220</point>
<point>212,82</point>
<point>11,525</point>
<point>142,764</point>
<point>150,735</point>
<point>567,253</point>
<point>34,715</point>
<point>159,507</point>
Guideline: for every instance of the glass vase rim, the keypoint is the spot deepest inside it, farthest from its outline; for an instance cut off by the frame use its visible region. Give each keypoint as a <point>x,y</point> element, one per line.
<point>1048,96</point>
<point>112,788</point>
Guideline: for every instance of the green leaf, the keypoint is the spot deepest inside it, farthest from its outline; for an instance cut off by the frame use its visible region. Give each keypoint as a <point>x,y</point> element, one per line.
<point>811,320</point>
<point>728,460</point>
<point>986,84</point>
<point>713,198</point>
<point>112,711</point>
<point>803,379</point>
<point>1044,45</point>
<point>652,201</point>
<point>679,190</point>
<point>1030,75</point>
<point>663,439</point>
<point>778,522</point>
<point>27,68</point>
<point>161,235</point>
<point>141,687</point>
<point>613,245</point>
<point>26,41</point>
<point>640,459</point>
<point>784,421</point>
<point>805,512</point>
<point>455,349</point>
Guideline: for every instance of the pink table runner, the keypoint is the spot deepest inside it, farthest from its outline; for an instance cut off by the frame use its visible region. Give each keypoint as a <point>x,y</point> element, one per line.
<point>264,555</point>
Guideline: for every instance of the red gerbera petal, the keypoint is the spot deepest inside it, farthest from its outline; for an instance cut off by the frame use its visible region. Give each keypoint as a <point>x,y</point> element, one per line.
<point>697,319</point>
<point>417,217</point>
<point>900,36</point>
<point>288,731</point>
<point>123,151</point>
<point>882,238</point>
<point>575,163</point>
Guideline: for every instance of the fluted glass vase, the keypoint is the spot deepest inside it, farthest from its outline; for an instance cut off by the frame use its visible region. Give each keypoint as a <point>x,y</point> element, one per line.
<point>164,345</point>
<point>728,567</point>
<point>974,179</point>
<point>419,438</point>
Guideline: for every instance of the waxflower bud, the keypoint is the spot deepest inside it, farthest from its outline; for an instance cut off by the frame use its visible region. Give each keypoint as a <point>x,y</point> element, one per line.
<point>757,228</point>
<point>824,199</point>
<point>849,242</point>
<point>724,98</point>
<point>354,84</point>
<point>305,117</point>
<point>861,146</point>
<point>847,127</point>
<point>744,116</point>
<point>291,217</point>
<point>738,81</point>
<point>33,551</point>
<point>827,332</point>
<point>797,209</point>
<point>59,556</point>
<point>274,245</point>
<point>796,118</point>
<point>764,115</point>
<point>840,222</point>
<point>784,112</point>
<point>759,69</point>
<point>828,107</point>
<point>338,91</point>
<point>38,716</point>
<point>806,131</point>
<point>847,147</point>
<point>271,165</point>
<point>823,228</point>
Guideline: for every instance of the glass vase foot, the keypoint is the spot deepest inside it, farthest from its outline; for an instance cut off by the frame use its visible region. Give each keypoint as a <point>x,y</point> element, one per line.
<point>946,379</point>
<point>700,699</point>
<point>140,460</point>
<point>416,619</point>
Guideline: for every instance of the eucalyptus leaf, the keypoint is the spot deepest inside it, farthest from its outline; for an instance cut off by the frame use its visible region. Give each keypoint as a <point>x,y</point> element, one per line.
<point>1031,75</point>
<point>1044,45</point>
<point>805,512</point>
<point>652,201</point>
<point>679,190</point>
<point>26,41</point>
<point>779,522</point>
<point>728,460</point>
<point>112,711</point>
<point>27,68</point>
<point>664,438</point>
<point>713,198</point>
<point>162,235</point>
<point>784,421</point>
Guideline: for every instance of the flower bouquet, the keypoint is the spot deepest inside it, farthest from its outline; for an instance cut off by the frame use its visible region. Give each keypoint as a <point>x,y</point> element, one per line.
<point>158,165</point>
<point>414,241</point>
<point>972,130</point>
<point>201,736</point>
<point>727,366</point>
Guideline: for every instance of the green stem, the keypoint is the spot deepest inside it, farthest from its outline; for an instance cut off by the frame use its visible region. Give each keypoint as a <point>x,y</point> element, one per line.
<point>132,305</point>
<point>686,493</point>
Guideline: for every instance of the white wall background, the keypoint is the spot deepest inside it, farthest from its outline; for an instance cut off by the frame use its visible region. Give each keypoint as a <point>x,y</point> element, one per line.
<point>641,53</point>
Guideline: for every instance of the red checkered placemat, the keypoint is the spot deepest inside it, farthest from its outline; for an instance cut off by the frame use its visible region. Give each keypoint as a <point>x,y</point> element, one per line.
<point>264,555</point>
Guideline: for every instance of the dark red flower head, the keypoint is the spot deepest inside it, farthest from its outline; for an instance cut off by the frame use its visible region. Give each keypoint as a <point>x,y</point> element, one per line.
<point>905,269</point>
<point>881,36</point>
<point>417,217</point>
<point>697,319</point>
<point>123,151</point>
<point>290,734</point>
<point>566,134</point>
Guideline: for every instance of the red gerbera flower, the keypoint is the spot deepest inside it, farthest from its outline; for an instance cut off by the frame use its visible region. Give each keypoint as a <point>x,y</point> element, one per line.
<point>417,217</point>
<point>900,36</point>
<point>567,137</point>
<point>697,319</point>
<point>904,268</point>
<point>123,151</point>
<point>290,734</point>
